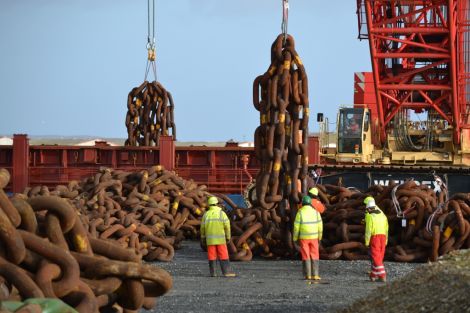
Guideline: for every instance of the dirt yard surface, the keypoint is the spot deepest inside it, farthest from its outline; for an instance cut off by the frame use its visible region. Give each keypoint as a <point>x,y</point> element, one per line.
<point>442,287</point>
<point>266,286</point>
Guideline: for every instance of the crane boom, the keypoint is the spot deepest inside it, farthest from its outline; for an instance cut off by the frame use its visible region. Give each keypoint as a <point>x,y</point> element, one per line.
<point>420,59</point>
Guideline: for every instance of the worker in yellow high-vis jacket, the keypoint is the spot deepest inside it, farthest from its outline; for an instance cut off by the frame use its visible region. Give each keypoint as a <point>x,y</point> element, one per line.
<point>308,231</point>
<point>215,233</point>
<point>376,236</point>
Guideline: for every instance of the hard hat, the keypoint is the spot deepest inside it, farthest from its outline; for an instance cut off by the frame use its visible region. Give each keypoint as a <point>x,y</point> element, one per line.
<point>370,204</point>
<point>313,191</point>
<point>212,200</point>
<point>306,200</point>
<point>367,199</point>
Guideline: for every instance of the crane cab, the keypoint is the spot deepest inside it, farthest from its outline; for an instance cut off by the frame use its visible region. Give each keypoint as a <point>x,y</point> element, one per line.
<point>354,142</point>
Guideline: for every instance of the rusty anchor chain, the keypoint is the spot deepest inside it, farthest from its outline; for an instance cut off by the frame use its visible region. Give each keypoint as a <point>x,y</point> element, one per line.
<point>150,211</point>
<point>51,254</point>
<point>150,114</point>
<point>150,107</point>
<point>281,97</point>
<point>429,225</point>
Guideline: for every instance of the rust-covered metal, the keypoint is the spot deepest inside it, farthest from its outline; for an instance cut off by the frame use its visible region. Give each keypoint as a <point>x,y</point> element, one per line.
<point>150,114</point>
<point>423,224</point>
<point>281,141</point>
<point>47,251</point>
<point>149,211</point>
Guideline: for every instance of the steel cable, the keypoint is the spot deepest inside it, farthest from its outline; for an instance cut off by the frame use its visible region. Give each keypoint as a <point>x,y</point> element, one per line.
<point>285,19</point>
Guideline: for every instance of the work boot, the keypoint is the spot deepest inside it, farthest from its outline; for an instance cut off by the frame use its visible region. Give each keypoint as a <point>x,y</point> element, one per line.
<point>373,279</point>
<point>212,268</point>
<point>316,269</point>
<point>307,269</point>
<point>383,279</point>
<point>226,271</point>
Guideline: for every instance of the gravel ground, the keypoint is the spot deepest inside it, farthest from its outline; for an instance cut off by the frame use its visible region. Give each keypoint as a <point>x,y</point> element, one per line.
<point>441,287</point>
<point>266,286</point>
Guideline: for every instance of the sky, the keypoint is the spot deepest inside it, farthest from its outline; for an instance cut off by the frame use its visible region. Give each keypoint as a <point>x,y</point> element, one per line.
<point>66,67</point>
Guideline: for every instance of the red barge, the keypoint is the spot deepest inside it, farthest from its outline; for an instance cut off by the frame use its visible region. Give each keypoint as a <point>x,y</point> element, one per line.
<point>225,169</point>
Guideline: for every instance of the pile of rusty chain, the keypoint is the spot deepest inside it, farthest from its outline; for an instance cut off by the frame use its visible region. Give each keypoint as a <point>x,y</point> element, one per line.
<point>281,97</point>
<point>150,211</point>
<point>45,251</point>
<point>433,225</point>
<point>150,114</point>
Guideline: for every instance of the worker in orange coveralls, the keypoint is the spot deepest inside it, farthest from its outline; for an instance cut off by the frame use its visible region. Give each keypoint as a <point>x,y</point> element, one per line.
<point>215,233</point>
<point>308,230</point>
<point>376,237</point>
<point>316,203</point>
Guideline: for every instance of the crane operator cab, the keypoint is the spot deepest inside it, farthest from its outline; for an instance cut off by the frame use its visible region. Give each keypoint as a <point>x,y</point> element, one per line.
<point>354,136</point>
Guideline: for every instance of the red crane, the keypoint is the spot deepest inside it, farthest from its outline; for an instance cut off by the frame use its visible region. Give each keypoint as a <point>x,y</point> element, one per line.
<point>411,114</point>
<point>420,59</point>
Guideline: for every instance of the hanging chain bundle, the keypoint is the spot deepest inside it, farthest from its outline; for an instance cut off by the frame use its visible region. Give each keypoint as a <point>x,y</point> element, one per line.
<point>281,97</point>
<point>150,108</point>
<point>150,114</point>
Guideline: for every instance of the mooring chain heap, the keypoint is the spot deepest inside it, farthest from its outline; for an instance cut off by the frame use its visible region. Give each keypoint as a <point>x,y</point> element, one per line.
<point>281,97</point>
<point>150,115</point>
<point>149,211</point>
<point>428,226</point>
<point>46,252</point>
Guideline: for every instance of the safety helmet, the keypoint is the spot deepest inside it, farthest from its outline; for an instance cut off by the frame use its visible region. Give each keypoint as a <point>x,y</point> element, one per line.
<point>212,200</point>
<point>313,191</point>
<point>306,200</point>
<point>367,199</point>
<point>370,204</point>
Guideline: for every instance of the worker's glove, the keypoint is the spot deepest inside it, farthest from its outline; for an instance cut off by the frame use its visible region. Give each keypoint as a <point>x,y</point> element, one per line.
<point>203,245</point>
<point>297,245</point>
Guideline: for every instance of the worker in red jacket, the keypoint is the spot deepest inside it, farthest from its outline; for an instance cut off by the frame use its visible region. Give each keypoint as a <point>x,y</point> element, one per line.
<point>376,236</point>
<point>215,233</point>
<point>316,203</point>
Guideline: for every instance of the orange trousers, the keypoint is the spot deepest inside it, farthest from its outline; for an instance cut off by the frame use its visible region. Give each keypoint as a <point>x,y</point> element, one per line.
<point>217,251</point>
<point>309,249</point>
<point>377,253</point>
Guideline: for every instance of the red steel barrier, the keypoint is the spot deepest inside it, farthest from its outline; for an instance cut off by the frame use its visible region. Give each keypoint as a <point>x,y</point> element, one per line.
<point>223,169</point>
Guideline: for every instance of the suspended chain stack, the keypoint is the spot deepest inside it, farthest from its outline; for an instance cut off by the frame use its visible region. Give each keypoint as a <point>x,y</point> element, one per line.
<point>45,251</point>
<point>281,97</point>
<point>434,225</point>
<point>150,115</point>
<point>150,211</point>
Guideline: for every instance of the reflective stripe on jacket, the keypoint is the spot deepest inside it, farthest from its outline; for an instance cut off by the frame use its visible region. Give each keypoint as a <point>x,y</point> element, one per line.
<point>215,226</point>
<point>308,224</point>
<point>376,224</point>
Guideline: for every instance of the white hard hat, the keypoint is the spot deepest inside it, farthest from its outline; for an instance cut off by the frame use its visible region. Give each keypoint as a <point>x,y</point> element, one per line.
<point>370,203</point>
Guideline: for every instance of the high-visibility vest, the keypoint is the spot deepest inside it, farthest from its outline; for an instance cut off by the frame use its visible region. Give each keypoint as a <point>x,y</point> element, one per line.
<point>317,205</point>
<point>376,224</point>
<point>215,226</point>
<point>308,224</point>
